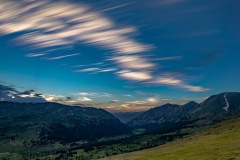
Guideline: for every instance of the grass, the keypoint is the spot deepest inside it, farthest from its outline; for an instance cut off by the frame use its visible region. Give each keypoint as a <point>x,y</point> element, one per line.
<point>213,142</point>
<point>216,142</point>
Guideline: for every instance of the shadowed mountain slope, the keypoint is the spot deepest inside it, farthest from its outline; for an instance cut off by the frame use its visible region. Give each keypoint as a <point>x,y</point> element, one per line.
<point>57,122</point>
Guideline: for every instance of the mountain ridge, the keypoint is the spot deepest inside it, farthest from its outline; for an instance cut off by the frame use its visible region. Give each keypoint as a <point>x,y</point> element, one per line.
<point>210,110</point>
<point>58,122</point>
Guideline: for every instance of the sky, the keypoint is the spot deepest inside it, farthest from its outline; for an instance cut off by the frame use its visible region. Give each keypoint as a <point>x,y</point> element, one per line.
<point>118,55</point>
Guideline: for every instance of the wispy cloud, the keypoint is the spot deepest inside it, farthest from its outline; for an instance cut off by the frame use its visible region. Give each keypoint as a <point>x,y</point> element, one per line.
<point>61,57</point>
<point>168,58</point>
<point>172,81</point>
<point>138,76</point>
<point>94,94</point>
<point>88,70</point>
<point>133,62</point>
<point>127,95</point>
<point>116,7</point>
<point>62,24</point>
<point>140,105</point>
<point>35,54</point>
<point>66,23</point>
<point>84,99</point>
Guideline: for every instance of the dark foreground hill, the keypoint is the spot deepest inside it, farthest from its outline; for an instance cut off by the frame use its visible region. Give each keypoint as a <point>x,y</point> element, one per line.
<point>41,123</point>
<point>214,108</point>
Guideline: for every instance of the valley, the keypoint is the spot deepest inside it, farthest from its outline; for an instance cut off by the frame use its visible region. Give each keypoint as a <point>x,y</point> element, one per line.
<point>56,131</point>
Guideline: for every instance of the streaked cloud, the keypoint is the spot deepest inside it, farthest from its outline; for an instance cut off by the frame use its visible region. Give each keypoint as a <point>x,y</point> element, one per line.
<point>97,70</point>
<point>86,94</point>
<point>94,94</point>
<point>144,104</point>
<point>168,58</point>
<point>84,99</point>
<point>61,57</point>
<point>88,70</point>
<point>133,62</point>
<point>127,95</point>
<point>113,101</point>
<point>137,76</point>
<point>152,99</point>
<point>138,105</point>
<point>106,70</point>
<point>116,7</point>
<point>35,54</point>
<point>174,82</point>
<point>62,24</point>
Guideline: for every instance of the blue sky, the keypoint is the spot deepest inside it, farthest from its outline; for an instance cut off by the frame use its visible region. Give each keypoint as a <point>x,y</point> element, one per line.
<point>121,55</point>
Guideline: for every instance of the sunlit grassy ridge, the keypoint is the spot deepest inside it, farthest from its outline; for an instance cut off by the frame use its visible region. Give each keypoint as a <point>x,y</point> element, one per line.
<point>217,142</point>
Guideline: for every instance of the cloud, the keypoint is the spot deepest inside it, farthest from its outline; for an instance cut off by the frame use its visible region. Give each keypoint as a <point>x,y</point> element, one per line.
<point>61,57</point>
<point>145,104</point>
<point>113,101</point>
<point>88,70</point>
<point>54,98</point>
<point>194,88</point>
<point>168,81</point>
<point>97,70</point>
<point>94,94</point>
<point>137,76</point>
<point>86,94</point>
<point>63,23</point>
<point>168,58</point>
<point>54,25</point>
<point>137,105</point>
<point>172,81</point>
<point>133,62</point>
<point>106,70</point>
<point>35,55</point>
<point>152,99</point>
<point>84,99</point>
<point>127,95</point>
<point>132,106</point>
<point>116,7</point>
<point>10,93</point>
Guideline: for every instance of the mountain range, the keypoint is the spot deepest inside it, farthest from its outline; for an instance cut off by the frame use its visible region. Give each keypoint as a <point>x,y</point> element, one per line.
<point>46,129</point>
<point>214,108</point>
<point>44,122</point>
<point>61,123</point>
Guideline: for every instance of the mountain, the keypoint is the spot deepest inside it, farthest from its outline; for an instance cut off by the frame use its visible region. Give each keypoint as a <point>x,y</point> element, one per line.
<point>214,108</point>
<point>126,116</point>
<point>218,107</point>
<point>154,117</point>
<point>45,122</point>
<point>187,108</point>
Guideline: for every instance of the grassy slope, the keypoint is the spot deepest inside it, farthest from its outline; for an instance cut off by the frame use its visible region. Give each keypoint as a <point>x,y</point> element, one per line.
<point>217,142</point>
